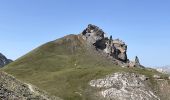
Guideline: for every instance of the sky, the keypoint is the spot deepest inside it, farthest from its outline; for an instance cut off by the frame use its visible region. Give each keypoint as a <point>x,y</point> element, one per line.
<point>144,25</point>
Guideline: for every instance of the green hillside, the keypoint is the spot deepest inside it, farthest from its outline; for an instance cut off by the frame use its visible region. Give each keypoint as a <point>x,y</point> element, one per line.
<point>64,67</point>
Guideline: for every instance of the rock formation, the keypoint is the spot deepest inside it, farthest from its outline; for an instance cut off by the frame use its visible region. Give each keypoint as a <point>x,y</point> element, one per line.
<point>124,86</point>
<point>95,36</point>
<point>3,60</point>
<point>137,63</point>
<point>115,48</point>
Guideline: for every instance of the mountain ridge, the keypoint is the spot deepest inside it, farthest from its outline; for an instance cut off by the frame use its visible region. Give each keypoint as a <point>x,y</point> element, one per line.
<point>66,66</point>
<point>4,61</point>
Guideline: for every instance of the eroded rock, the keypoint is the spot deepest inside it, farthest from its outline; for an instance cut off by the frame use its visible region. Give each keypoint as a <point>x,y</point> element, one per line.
<point>113,47</point>
<point>93,34</point>
<point>124,86</point>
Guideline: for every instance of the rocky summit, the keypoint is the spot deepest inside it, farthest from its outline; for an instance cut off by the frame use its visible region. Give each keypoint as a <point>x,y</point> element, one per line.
<point>114,48</point>
<point>3,60</point>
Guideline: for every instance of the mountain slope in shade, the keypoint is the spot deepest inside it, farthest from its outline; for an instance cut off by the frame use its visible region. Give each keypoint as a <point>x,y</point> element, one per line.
<point>4,61</point>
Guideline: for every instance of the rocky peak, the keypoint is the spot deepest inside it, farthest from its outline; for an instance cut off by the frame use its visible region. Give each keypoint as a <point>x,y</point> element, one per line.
<point>93,34</point>
<point>115,48</point>
<point>137,63</point>
<point>3,60</point>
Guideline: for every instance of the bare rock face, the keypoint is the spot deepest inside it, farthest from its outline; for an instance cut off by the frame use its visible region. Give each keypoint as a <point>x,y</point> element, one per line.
<point>4,61</point>
<point>137,63</point>
<point>113,47</point>
<point>119,49</point>
<point>123,86</point>
<point>93,34</point>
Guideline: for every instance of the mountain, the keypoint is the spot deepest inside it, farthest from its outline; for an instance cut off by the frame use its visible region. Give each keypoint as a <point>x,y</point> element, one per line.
<point>4,61</point>
<point>89,66</point>
<point>164,69</point>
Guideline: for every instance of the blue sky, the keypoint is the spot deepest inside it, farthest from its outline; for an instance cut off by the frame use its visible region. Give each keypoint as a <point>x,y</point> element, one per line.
<point>143,24</point>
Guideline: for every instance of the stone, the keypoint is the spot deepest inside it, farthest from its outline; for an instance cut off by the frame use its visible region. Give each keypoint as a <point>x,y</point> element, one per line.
<point>124,86</point>
<point>156,76</point>
<point>93,34</point>
<point>137,63</point>
<point>120,49</point>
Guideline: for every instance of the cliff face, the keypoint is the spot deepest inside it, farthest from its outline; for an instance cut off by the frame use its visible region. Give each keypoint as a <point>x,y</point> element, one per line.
<point>4,61</point>
<point>114,48</point>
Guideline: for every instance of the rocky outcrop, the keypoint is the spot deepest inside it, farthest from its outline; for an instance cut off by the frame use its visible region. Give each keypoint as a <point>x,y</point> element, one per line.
<point>137,63</point>
<point>3,60</point>
<point>124,86</point>
<point>13,89</point>
<point>114,48</point>
<point>93,34</point>
<point>118,49</point>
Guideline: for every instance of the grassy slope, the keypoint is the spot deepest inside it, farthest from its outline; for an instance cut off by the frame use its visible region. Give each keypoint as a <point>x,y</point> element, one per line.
<point>64,67</point>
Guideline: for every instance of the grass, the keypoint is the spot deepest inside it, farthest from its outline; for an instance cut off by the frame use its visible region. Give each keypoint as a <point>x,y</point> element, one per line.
<point>64,67</point>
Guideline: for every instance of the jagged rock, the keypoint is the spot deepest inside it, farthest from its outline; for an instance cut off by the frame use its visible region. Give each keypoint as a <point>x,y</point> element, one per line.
<point>137,63</point>
<point>3,60</point>
<point>120,49</point>
<point>113,47</point>
<point>93,34</point>
<point>124,86</point>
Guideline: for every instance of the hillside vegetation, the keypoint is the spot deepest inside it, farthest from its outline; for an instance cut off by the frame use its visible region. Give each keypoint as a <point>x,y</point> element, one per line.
<point>65,66</point>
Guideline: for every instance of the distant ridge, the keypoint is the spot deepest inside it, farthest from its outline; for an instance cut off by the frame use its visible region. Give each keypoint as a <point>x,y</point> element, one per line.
<point>4,61</point>
<point>164,69</point>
